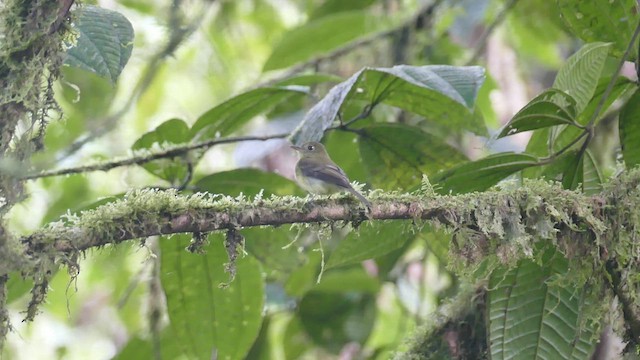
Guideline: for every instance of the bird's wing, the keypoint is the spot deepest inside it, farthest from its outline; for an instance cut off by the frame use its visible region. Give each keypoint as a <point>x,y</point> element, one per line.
<point>330,173</point>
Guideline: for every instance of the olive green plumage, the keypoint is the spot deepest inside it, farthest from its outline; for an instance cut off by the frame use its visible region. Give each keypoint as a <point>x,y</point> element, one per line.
<point>318,174</point>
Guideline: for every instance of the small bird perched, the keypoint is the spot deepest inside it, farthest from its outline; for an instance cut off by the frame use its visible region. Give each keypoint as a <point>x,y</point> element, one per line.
<point>318,174</point>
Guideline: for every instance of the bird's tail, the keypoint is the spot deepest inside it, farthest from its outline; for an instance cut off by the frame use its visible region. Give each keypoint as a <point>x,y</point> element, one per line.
<point>360,197</point>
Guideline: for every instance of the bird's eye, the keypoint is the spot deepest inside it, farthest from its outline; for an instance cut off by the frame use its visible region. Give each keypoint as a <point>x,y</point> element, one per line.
<point>311,147</point>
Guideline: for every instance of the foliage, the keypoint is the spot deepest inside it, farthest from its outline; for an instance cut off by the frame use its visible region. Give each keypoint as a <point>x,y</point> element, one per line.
<point>463,255</point>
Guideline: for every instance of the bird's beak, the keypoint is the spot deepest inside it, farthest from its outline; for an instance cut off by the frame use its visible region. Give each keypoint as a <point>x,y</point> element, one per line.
<point>296,148</point>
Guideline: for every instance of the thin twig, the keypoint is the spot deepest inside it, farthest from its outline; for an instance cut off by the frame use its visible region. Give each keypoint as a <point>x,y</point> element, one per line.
<point>137,160</point>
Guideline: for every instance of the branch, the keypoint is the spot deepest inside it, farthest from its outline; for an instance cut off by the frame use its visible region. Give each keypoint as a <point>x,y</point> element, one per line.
<point>143,159</point>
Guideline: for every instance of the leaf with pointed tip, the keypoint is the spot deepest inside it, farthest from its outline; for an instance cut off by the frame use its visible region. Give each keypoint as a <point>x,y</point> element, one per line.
<point>105,42</point>
<point>552,107</point>
<point>481,174</point>
<point>234,113</point>
<point>442,94</point>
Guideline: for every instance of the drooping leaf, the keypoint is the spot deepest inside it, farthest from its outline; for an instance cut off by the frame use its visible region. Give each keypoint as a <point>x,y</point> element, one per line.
<point>204,316</point>
<point>368,242</point>
<point>552,107</point>
<point>398,155</point>
<point>323,35</point>
<point>481,174</point>
<point>234,113</point>
<point>528,317</point>
<point>248,182</point>
<point>276,250</point>
<point>442,94</point>
<point>174,131</point>
<point>602,20</point>
<point>629,125</point>
<point>579,76</point>
<point>104,44</point>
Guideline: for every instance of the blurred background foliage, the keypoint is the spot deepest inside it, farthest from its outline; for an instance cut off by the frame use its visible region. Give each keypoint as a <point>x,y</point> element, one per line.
<point>255,67</point>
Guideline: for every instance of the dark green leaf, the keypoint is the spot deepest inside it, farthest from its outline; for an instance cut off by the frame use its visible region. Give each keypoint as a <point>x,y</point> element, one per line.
<point>320,36</point>
<point>398,155</point>
<point>276,250</point>
<point>174,131</point>
<point>481,174</point>
<point>234,113</point>
<point>105,42</point>
<point>249,182</point>
<point>602,20</point>
<point>579,76</point>
<point>442,94</point>
<point>629,125</point>
<point>205,317</point>
<point>529,317</point>
<point>573,174</point>
<point>552,107</point>
<point>333,319</point>
<point>592,178</point>
<point>368,242</point>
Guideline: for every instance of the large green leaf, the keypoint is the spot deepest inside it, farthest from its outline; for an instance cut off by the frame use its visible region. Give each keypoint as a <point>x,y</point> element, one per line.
<point>602,20</point>
<point>174,131</point>
<point>579,76</point>
<point>204,316</point>
<point>248,182</point>
<point>368,242</point>
<point>323,35</point>
<point>552,107</point>
<point>442,94</point>
<point>398,155</point>
<point>234,113</point>
<point>530,319</point>
<point>481,174</point>
<point>105,42</point>
<point>629,125</point>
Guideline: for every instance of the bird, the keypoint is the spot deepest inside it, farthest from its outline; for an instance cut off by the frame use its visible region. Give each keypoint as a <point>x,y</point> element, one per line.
<point>318,174</point>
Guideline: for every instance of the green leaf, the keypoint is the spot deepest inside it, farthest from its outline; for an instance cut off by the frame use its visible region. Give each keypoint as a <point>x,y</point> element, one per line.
<point>368,242</point>
<point>573,174</point>
<point>276,250</point>
<point>334,318</point>
<point>552,107</point>
<point>602,20</point>
<point>205,317</point>
<point>442,94</point>
<point>592,178</point>
<point>398,155</point>
<point>104,44</point>
<point>321,36</point>
<point>629,126</point>
<point>248,182</point>
<point>234,113</point>
<point>330,7</point>
<point>309,79</point>
<point>528,317</point>
<point>481,174</point>
<point>174,131</point>
<point>579,76</point>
